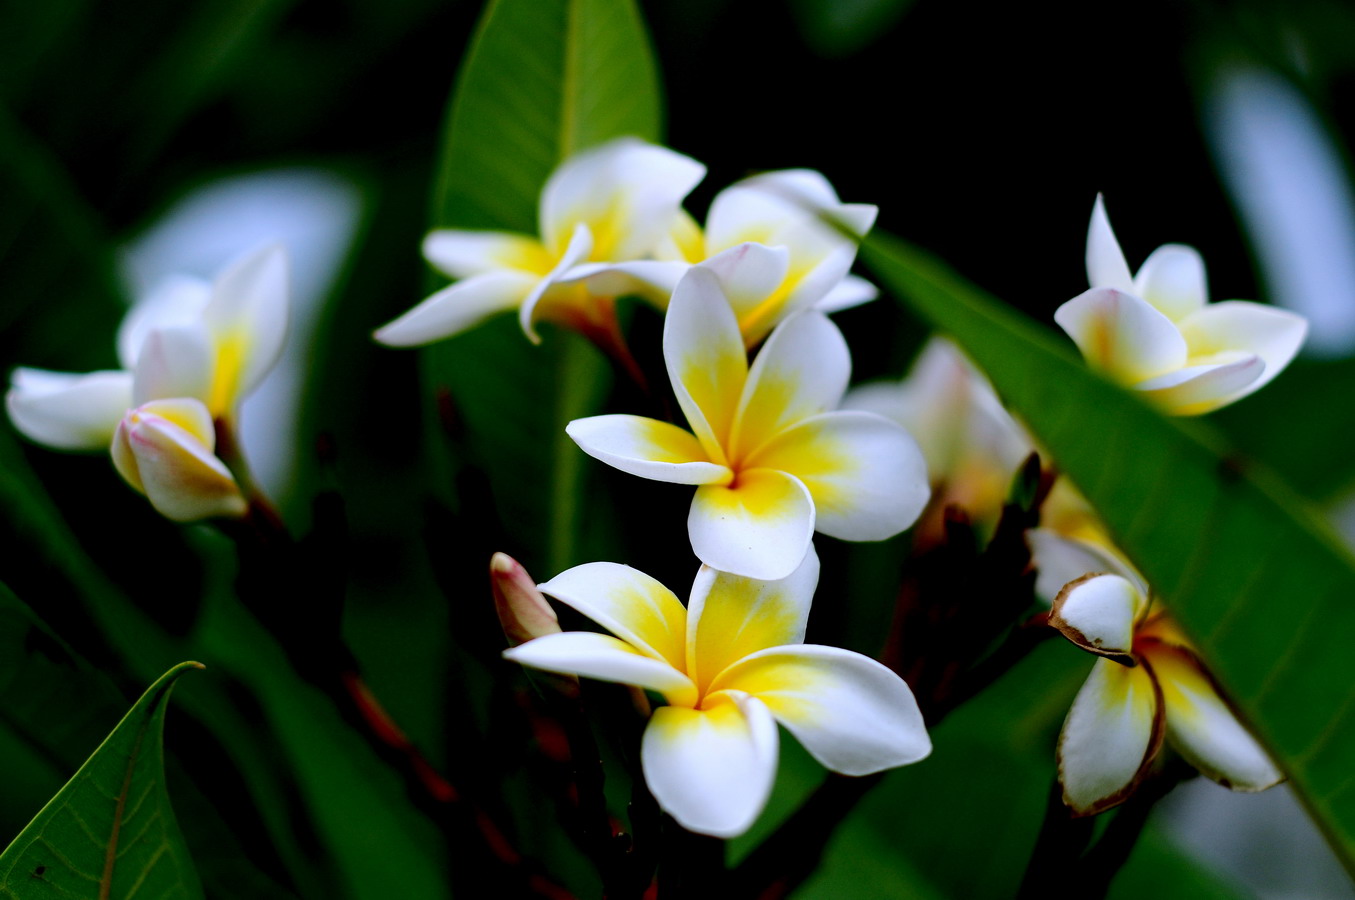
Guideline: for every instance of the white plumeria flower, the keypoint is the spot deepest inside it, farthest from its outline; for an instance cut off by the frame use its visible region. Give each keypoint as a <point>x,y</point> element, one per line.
<point>787,211</point>
<point>609,205</point>
<point>1149,686</point>
<point>1071,542</point>
<point>730,666</point>
<point>164,449</point>
<point>772,461</point>
<point>1154,332</point>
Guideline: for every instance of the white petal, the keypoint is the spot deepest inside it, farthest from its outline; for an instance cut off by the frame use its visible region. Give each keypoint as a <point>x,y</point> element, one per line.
<point>457,308</point>
<point>1196,390</point>
<point>802,371</point>
<point>68,411</point>
<point>462,254</point>
<point>706,362</point>
<point>1098,612</point>
<point>1122,335</point>
<point>851,291</point>
<point>629,604</point>
<point>651,279</point>
<point>1172,279</point>
<point>580,245</point>
<point>776,207</point>
<point>730,617</point>
<point>1106,266</point>
<point>605,658</point>
<point>711,769</point>
<point>164,449</point>
<point>1273,334</point>
<point>759,527</point>
<point>1203,729</point>
<point>248,315</point>
<point>1110,737</point>
<point>178,300</point>
<point>626,191</point>
<point>749,276</point>
<point>851,713</point>
<point>646,447</point>
<point>866,474</point>
<point>1059,559</point>
<point>175,361</point>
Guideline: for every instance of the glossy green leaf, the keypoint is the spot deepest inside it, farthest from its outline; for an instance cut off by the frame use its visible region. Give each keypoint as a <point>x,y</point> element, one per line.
<point>1255,578</point>
<point>110,832</point>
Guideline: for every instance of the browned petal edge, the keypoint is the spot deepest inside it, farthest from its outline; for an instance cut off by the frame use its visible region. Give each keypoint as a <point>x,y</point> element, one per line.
<point>1150,754</point>
<point>1056,620</point>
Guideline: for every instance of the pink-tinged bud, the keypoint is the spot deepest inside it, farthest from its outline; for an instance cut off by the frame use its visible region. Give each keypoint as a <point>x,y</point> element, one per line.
<point>523,610</point>
<point>164,450</point>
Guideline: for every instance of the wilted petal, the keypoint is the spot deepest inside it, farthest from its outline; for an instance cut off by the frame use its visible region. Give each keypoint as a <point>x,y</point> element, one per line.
<point>175,361</point>
<point>178,300</point>
<point>1172,279</point>
<point>247,319</point>
<point>1122,335</point>
<point>705,358</point>
<point>1110,736</point>
<point>1098,612</point>
<point>1196,390</point>
<point>1106,265</point>
<point>646,447</point>
<point>865,474</point>
<point>1273,334</point>
<point>759,526</point>
<point>462,254</point>
<point>730,617</point>
<point>68,411</point>
<point>711,769</point>
<point>851,713</point>
<point>1202,727</point>
<point>164,450</point>
<point>605,658</point>
<point>457,308</point>
<point>629,604</point>
<point>851,291</point>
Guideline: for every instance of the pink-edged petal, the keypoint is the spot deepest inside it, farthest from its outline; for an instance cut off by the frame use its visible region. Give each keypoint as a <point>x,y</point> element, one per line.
<point>1098,612</point>
<point>750,276</point>
<point>456,308</point>
<point>1122,335</point>
<point>175,361</point>
<point>604,658</point>
<point>650,279</point>
<point>648,448</point>
<point>1273,334</point>
<point>850,291</point>
<point>164,450</point>
<point>626,191</point>
<point>1172,279</point>
<point>68,411</point>
<point>1202,727</point>
<point>1110,737</point>
<point>628,603</point>
<point>802,371</point>
<point>706,361</point>
<point>1106,265</point>
<point>866,475</point>
<point>1196,390</point>
<point>730,617</point>
<point>1060,559</point>
<point>247,319</point>
<point>759,526</point>
<point>580,245</point>
<point>462,254</point>
<point>711,769</point>
<point>178,300</point>
<point>851,713</point>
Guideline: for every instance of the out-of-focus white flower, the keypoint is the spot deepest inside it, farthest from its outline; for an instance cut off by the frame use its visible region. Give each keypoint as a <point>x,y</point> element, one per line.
<point>1154,332</point>
<point>731,666</point>
<point>1148,686</point>
<point>164,449</point>
<point>773,458</point>
<point>608,205</point>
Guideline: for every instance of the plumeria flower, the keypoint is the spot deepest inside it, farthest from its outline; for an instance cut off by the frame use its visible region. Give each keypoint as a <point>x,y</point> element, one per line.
<point>730,666</point>
<point>608,205</point>
<point>1154,332</point>
<point>1071,542</point>
<point>788,212</point>
<point>772,462</point>
<point>1148,686</point>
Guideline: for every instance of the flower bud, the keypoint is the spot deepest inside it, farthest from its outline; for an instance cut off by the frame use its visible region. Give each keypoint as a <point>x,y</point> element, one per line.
<point>164,450</point>
<point>523,611</point>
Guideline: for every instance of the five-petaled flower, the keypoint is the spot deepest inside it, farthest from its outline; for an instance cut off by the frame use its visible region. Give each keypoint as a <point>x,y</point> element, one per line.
<point>609,205</point>
<point>730,666</point>
<point>1149,685</point>
<point>1154,331</point>
<point>772,457</point>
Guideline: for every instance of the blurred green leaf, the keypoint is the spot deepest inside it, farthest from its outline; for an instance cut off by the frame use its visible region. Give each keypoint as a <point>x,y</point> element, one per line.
<point>1250,572</point>
<point>110,832</point>
<point>836,28</point>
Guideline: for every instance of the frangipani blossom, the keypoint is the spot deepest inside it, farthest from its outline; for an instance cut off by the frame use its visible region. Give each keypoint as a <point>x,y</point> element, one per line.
<point>1073,541</point>
<point>772,460</point>
<point>1149,686</point>
<point>608,205</point>
<point>1154,332</point>
<point>164,449</point>
<point>730,666</point>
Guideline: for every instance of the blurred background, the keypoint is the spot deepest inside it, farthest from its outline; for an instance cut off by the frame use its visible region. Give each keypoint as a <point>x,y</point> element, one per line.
<point>171,137</point>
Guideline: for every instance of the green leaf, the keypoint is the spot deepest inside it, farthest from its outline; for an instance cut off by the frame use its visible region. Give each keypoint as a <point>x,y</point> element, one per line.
<point>110,832</point>
<point>1250,572</point>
